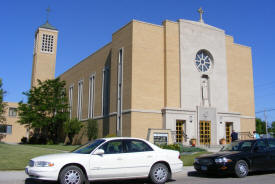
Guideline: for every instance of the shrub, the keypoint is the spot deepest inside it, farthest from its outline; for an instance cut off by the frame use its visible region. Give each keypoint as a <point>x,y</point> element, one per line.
<point>92,129</point>
<point>110,135</point>
<point>181,148</point>
<point>71,128</point>
<point>171,147</point>
<point>192,149</point>
<point>24,140</point>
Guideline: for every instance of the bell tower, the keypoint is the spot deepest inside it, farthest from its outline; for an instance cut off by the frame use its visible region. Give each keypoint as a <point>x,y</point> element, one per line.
<point>44,53</point>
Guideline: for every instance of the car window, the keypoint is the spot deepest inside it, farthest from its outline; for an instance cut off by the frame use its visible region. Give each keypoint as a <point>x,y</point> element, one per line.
<point>246,146</point>
<point>136,146</point>
<point>89,147</point>
<point>271,144</point>
<point>112,147</point>
<point>238,146</point>
<point>260,145</point>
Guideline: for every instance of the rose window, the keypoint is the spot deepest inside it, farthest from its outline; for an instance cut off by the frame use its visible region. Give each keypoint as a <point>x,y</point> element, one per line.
<point>203,61</point>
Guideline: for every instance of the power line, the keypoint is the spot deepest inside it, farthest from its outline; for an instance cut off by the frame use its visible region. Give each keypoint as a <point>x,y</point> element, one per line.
<point>265,111</point>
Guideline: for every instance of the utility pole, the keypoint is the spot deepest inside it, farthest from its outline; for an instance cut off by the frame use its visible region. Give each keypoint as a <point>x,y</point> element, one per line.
<point>265,124</point>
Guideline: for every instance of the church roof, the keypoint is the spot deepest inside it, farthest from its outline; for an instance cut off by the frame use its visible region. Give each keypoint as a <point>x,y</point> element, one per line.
<point>47,26</point>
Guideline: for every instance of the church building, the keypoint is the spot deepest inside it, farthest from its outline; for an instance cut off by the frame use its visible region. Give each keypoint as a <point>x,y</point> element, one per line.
<point>166,83</point>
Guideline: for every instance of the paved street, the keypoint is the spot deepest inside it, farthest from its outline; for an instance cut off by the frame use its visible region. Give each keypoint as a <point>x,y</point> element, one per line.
<point>188,176</point>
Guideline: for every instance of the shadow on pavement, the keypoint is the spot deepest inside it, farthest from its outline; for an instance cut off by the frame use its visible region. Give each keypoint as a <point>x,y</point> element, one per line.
<point>213,175</point>
<point>134,181</point>
<point>207,175</point>
<point>34,181</point>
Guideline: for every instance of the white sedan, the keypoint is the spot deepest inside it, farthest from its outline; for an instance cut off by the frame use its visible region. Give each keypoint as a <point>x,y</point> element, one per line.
<point>105,159</point>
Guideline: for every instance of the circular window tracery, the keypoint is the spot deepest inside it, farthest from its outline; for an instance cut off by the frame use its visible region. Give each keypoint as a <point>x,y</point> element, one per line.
<point>203,61</point>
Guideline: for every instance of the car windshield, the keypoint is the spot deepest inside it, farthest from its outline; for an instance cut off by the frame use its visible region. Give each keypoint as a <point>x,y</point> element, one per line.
<point>89,147</point>
<point>238,146</point>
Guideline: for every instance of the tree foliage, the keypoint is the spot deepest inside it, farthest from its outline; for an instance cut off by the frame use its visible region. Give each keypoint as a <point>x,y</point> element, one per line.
<point>92,129</point>
<point>71,128</point>
<point>46,109</point>
<point>2,103</point>
<point>2,108</point>
<point>260,126</point>
<point>272,128</point>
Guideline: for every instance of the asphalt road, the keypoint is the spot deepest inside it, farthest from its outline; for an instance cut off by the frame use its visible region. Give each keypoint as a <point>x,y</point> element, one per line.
<point>188,176</point>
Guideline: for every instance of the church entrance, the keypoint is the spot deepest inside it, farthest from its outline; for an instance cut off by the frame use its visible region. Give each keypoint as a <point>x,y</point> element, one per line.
<point>205,132</point>
<point>180,131</point>
<point>228,131</point>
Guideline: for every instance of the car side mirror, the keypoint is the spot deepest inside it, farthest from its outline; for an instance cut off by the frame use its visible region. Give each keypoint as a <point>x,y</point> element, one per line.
<point>98,152</point>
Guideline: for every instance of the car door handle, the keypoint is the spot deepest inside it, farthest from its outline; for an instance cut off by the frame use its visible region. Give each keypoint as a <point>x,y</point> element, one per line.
<point>149,156</point>
<point>119,158</point>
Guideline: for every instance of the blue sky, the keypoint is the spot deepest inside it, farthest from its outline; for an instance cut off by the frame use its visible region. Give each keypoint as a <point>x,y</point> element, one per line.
<point>87,25</point>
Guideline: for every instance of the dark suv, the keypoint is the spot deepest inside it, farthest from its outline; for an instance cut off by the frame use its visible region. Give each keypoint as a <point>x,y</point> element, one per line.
<point>239,157</point>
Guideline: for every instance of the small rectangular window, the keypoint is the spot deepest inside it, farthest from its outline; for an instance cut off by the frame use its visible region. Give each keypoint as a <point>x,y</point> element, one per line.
<point>6,129</point>
<point>12,112</point>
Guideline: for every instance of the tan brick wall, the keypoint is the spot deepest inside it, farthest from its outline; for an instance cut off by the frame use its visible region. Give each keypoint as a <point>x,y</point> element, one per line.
<point>122,39</point>
<point>126,124</point>
<point>44,63</point>
<point>93,64</point>
<point>248,125</point>
<point>171,64</point>
<point>240,82</point>
<point>18,131</point>
<point>147,66</point>
<point>141,122</point>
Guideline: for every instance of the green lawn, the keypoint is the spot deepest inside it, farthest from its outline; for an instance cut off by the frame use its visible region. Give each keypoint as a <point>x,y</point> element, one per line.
<point>16,157</point>
<point>188,160</point>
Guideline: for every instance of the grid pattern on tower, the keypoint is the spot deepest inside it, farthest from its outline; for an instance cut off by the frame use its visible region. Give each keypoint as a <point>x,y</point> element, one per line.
<point>47,43</point>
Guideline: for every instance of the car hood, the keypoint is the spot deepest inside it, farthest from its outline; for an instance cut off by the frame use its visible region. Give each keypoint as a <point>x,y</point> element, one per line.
<point>219,154</point>
<point>58,156</point>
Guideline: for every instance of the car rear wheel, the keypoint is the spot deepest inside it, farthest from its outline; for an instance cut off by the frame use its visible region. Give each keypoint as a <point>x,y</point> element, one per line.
<point>241,169</point>
<point>159,173</point>
<point>72,175</point>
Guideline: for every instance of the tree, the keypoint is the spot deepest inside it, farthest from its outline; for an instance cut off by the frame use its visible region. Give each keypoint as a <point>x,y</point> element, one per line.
<point>260,126</point>
<point>2,110</point>
<point>46,109</point>
<point>2,103</point>
<point>92,129</point>
<point>272,128</point>
<point>71,128</point>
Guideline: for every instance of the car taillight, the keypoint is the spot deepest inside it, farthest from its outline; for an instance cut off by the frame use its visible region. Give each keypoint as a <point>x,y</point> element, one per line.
<point>179,156</point>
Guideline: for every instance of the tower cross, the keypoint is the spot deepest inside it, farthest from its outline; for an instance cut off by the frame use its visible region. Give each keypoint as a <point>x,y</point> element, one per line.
<point>201,12</point>
<point>48,10</point>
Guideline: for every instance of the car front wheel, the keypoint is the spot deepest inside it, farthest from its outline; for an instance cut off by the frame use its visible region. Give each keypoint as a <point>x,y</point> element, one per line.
<point>159,173</point>
<point>71,175</point>
<point>241,169</point>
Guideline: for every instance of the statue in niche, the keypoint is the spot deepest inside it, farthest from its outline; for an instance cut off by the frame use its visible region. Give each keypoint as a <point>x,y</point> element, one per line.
<point>205,92</point>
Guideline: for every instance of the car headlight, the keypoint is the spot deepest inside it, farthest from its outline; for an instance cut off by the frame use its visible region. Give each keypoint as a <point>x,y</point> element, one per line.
<point>196,160</point>
<point>222,160</point>
<point>43,164</point>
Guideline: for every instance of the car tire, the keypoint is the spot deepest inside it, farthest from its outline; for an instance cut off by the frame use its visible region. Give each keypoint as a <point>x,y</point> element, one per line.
<point>159,173</point>
<point>241,169</point>
<point>72,175</point>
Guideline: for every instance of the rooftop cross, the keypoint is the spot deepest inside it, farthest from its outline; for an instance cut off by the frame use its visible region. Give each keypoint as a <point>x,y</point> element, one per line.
<point>201,12</point>
<point>48,10</point>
